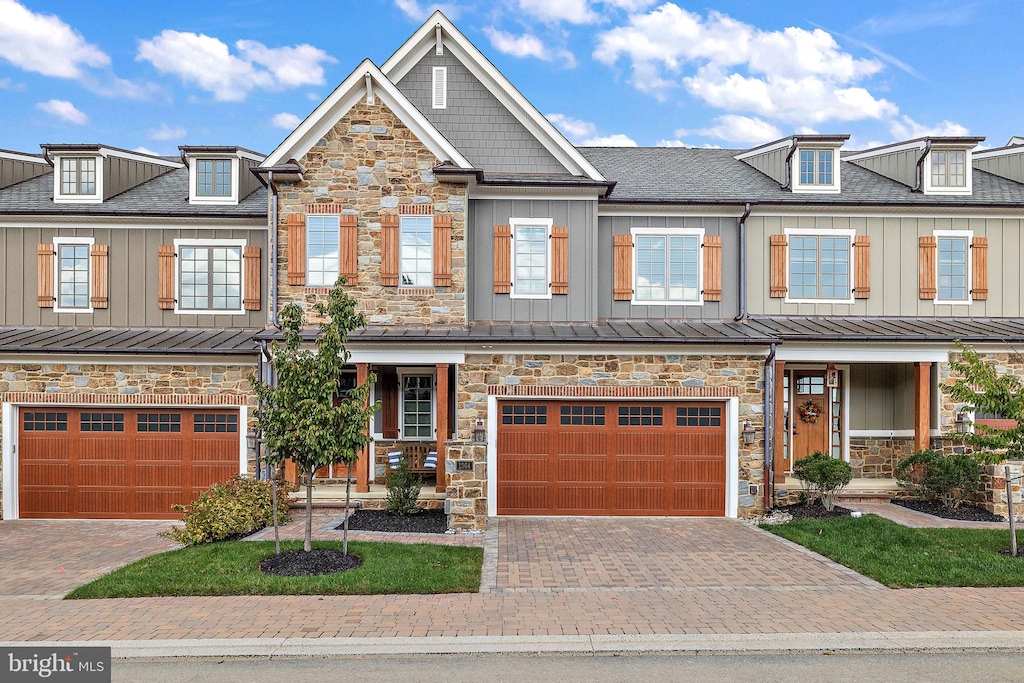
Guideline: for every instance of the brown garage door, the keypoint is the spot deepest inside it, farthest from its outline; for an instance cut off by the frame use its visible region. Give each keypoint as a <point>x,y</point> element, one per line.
<point>104,463</point>
<point>611,458</point>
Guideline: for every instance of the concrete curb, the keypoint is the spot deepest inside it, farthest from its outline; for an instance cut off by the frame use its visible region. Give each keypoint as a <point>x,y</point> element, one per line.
<point>896,641</point>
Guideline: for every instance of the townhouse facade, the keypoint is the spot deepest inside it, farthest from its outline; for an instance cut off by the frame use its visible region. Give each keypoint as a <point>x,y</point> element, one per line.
<point>573,331</point>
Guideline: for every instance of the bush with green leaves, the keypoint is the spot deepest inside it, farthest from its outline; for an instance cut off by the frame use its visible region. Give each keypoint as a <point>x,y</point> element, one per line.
<point>828,476</point>
<point>950,478</point>
<point>403,490</point>
<point>237,507</point>
<point>912,473</point>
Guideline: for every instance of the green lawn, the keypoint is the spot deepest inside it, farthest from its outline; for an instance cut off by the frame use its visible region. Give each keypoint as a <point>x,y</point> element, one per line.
<point>901,557</point>
<point>232,568</point>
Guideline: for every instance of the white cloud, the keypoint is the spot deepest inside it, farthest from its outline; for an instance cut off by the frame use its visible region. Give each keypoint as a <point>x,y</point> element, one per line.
<point>414,10</point>
<point>285,120</point>
<point>630,5</point>
<point>63,110</point>
<point>906,128</point>
<point>585,133</point>
<point>165,132</point>
<point>9,84</point>
<point>209,63</point>
<point>147,150</point>
<point>553,11</point>
<point>681,143</point>
<point>736,128</point>
<point>616,140</point>
<point>44,44</point>
<point>527,45</point>
<point>792,75</point>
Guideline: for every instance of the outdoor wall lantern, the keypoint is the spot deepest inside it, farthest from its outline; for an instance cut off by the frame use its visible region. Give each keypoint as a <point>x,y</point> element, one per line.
<point>963,422</point>
<point>479,432</point>
<point>749,433</point>
<point>253,439</point>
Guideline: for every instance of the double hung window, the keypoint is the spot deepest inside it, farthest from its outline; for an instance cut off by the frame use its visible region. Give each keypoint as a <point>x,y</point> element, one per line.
<point>668,267</point>
<point>949,168</point>
<point>213,177</point>
<point>952,272</point>
<point>323,246</point>
<point>531,258</point>
<point>819,266</point>
<point>78,176</point>
<point>416,251</point>
<point>816,166</point>
<point>72,274</point>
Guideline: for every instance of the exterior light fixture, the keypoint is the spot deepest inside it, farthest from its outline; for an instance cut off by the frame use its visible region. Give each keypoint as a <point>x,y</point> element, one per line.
<point>479,432</point>
<point>252,438</point>
<point>963,422</point>
<point>749,433</point>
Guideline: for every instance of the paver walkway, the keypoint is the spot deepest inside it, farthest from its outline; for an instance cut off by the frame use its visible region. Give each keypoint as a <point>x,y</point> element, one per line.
<point>918,520</point>
<point>325,528</point>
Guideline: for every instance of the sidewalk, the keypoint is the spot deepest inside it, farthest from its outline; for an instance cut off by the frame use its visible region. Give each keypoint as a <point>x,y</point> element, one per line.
<point>919,520</point>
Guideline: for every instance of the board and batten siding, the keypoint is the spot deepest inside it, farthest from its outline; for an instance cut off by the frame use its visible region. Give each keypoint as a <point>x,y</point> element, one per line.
<point>772,164</point>
<point>1007,165</point>
<point>900,166</point>
<point>13,171</point>
<point>881,396</point>
<point>133,284</point>
<point>120,174</point>
<point>894,266</point>
<point>726,228</point>
<point>579,305</point>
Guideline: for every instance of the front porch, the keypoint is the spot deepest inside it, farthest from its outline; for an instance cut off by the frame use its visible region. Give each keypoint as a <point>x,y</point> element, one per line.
<point>331,496</point>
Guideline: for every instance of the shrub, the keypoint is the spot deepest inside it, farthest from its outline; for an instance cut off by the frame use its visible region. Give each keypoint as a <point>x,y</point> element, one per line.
<point>403,490</point>
<point>912,472</point>
<point>235,508</point>
<point>950,478</point>
<point>828,475</point>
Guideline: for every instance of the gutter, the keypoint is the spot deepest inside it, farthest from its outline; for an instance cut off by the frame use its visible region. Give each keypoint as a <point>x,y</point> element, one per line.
<point>918,180</point>
<point>789,167</point>
<point>742,315</point>
<point>769,426</point>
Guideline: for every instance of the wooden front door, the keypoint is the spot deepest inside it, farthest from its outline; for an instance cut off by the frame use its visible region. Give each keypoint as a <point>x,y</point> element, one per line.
<point>810,393</point>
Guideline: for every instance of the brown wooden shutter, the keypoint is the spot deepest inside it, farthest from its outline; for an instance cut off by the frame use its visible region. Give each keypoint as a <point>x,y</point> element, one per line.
<point>779,280</point>
<point>623,258</point>
<point>100,276</point>
<point>165,275</point>
<point>926,267</point>
<point>712,268</point>
<point>442,250</point>
<point>348,241</point>
<point>560,259</point>
<point>44,289</point>
<point>979,268</point>
<point>861,267</point>
<point>389,250</point>
<point>252,278</point>
<point>296,249</point>
<point>389,403</point>
<point>502,259</point>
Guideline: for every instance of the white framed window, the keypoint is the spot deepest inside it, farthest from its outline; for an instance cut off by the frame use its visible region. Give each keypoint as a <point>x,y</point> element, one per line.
<point>947,171</point>
<point>72,275</point>
<point>820,266</point>
<point>78,179</point>
<point>416,251</point>
<point>416,406</point>
<point>209,276</point>
<point>953,266</point>
<point>323,248</point>
<point>213,178</point>
<point>816,170</point>
<point>531,258</point>
<point>439,87</point>
<point>667,266</point>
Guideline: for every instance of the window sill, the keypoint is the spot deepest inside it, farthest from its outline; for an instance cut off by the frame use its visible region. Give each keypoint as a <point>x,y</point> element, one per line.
<point>846,302</point>
<point>653,302</point>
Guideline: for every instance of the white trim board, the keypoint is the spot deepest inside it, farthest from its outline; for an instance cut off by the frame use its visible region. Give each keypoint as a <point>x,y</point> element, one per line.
<point>402,357</point>
<point>845,353</point>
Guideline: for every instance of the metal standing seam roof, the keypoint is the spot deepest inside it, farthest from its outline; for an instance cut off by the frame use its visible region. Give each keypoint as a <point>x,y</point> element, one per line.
<point>170,341</point>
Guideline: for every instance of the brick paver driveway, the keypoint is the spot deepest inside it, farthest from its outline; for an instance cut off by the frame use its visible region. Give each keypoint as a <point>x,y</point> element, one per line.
<point>567,553</point>
<point>47,558</point>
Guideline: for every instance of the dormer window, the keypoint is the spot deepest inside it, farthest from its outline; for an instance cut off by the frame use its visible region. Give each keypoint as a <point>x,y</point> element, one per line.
<point>213,178</point>
<point>78,176</point>
<point>949,168</point>
<point>816,167</point>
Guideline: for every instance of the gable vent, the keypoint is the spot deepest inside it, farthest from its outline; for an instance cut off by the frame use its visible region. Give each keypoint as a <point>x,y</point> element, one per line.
<point>440,88</point>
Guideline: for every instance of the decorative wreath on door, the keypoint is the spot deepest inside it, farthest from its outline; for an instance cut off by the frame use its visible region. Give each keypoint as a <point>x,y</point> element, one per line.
<point>810,412</point>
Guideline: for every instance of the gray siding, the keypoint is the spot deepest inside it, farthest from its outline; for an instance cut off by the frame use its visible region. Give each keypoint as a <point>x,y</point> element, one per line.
<point>133,283</point>
<point>881,396</point>
<point>1007,166</point>
<point>247,181</point>
<point>894,266</point>
<point>772,164</point>
<point>899,166</point>
<point>475,121</point>
<point>620,225</point>
<point>120,175</point>
<point>13,171</point>
<point>579,305</point>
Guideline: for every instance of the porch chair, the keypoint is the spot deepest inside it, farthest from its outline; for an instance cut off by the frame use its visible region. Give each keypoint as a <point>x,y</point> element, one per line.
<point>421,459</point>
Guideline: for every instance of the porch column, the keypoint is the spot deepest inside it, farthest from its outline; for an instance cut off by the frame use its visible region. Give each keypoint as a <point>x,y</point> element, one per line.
<point>442,424</point>
<point>365,462</point>
<point>922,405</point>
<point>778,461</point>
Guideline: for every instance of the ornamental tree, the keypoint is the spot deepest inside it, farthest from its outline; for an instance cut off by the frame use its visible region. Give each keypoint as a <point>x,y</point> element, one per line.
<point>982,389</point>
<point>303,414</point>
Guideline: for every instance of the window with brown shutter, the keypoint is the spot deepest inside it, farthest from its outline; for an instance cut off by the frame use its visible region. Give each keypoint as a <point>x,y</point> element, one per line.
<point>559,259</point>
<point>348,247</point>
<point>44,270</point>
<point>251,256</point>
<point>623,267</point>
<point>778,273</point>
<point>862,267</point>
<point>165,276</point>
<point>979,268</point>
<point>926,266</point>
<point>99,296</point>
<point>389,250</point>
<point>442,250</point>
<point>712,268</point>
<point>502,259</point>
<point>296,249</point>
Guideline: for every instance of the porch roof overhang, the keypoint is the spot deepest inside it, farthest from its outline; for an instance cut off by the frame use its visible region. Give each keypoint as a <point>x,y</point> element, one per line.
<point>854,329</point>
<point>127,341</point>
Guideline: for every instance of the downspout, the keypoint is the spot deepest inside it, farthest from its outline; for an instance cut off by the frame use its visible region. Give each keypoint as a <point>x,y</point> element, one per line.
<point>769,426</point>
<point>918,179</point>
<point>788,165</point>
<point>259,375</point>
<point>47,158</point>
<point>743,263</point>
<point>184,158</point>
<point>272,318</point>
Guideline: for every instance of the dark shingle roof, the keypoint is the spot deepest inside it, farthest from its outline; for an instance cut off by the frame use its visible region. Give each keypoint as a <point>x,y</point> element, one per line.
<point>708,176</point>
<point>165,340</point>
<point>165,195</point>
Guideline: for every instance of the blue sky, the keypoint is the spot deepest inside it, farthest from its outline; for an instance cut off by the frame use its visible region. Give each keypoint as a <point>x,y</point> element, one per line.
<point>730,74</point>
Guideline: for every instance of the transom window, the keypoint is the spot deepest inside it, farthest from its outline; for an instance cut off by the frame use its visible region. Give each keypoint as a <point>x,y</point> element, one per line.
<point>819,267</point>
<point>416,251</point>
<point>417,410</point>
<point>816,167</point>
<point>952,274</point>
<point>530,260</point>
<point>72,275</point>
<point>667,267</point>
<point>322,250</point>
<point>210,278</point>
<point>949,169</point>
<point>213,177</point>
<point>78,175</point>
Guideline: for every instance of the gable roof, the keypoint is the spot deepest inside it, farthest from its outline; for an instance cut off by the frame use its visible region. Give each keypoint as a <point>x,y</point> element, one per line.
<point>343,98</point>
<point>425,39</point>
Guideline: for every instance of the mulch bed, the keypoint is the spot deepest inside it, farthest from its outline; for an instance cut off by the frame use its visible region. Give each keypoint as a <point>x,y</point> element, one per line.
<point>424,522</point>
<point>967,513</point>
<point>813,510</point>
<point>1020,551</point>
<point>317,561</point>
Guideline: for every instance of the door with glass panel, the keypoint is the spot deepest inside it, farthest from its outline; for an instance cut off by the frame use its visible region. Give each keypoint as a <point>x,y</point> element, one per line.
<point>813,415</point>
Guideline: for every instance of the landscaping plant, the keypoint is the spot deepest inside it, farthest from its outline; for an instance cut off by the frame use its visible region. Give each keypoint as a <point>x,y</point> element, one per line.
<point>828,476</point>
<point>950,478</point>
<point>983,389</point>
<point>912,473</point>
<point>235,508</point>
<point>403,490</point>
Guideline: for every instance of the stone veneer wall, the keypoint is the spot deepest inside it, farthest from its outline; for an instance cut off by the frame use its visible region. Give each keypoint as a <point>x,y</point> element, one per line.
<point>877,457</point>
<point>696,376</point>
<point>370,163</point>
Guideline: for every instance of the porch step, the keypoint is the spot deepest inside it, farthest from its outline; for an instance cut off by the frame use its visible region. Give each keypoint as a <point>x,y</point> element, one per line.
<point>864,497</point>
<point>324,504</point>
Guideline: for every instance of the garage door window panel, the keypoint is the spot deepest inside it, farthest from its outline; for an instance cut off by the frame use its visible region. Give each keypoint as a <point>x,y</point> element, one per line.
<point>703,416</point>
<point>159,422</point>
<point>641,416</point>
<point>46,422</point>
<point>210,423</point>
<point>102,422</point>
<point>585,415</point>
<point>524,415</point>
